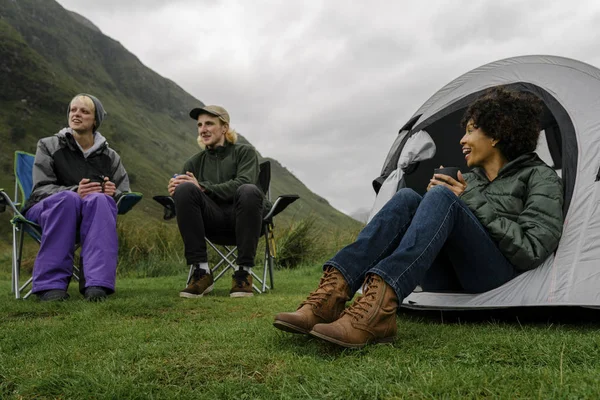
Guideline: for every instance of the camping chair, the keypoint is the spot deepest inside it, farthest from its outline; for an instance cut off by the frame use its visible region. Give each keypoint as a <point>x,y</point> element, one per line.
<point>228,251</point>
<point>23,169</point>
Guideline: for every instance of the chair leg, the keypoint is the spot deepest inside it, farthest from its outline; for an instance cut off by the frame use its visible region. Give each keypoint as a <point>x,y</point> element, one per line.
<point>271,263</point>
<point>227,258</point>
<point>24,287</point>
<point>231,252</point>
<point>265,269</point>
<point>189,278</point>
<point>15,264</point>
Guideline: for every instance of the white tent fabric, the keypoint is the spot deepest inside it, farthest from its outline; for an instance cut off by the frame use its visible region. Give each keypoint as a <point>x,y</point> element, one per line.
<point>418,147</point>
<point>571,277</point>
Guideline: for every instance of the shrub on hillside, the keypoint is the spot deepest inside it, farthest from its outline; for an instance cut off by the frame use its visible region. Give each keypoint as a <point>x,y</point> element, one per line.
<point>298,244</point>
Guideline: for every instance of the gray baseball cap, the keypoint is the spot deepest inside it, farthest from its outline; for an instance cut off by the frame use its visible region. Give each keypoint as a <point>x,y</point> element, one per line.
<point>216,111</point>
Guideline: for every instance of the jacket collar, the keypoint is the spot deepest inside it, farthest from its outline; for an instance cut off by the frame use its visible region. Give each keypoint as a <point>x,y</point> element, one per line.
<point>220,150</point>
<point>66,135</point>
<point>524,160</point>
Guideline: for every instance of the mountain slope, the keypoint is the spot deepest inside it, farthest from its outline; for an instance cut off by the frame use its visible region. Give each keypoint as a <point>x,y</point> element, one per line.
<point>48,54</point>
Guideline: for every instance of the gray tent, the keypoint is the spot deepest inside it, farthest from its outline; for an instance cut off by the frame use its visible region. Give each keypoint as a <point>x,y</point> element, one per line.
<point>570,143</point>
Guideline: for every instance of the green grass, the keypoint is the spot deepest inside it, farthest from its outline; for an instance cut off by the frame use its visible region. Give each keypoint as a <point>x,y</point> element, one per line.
<point>145,342</point>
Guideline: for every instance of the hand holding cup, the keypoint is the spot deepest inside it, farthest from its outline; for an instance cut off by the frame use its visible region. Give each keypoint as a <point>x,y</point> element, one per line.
<point>450,177</point>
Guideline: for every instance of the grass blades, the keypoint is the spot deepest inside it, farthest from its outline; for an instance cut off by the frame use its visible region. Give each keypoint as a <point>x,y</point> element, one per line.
<point>146,342</point>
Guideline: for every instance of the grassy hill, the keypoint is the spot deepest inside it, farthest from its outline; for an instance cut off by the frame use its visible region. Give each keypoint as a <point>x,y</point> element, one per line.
<point>48,54</point>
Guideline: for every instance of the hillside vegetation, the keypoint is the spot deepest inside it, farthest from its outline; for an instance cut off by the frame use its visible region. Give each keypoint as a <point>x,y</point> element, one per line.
<point>48,54</point>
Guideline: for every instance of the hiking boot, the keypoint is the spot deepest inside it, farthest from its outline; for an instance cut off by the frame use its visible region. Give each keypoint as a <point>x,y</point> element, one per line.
<point>95,293</point>
<point>370,319</point>
<point>201,283</point>
<point>324,305</point>
<point>241,284</point>
<point>53,295</point>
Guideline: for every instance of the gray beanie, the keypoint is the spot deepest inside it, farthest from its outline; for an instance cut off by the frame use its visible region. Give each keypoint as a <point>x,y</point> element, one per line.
<point>100,113</point>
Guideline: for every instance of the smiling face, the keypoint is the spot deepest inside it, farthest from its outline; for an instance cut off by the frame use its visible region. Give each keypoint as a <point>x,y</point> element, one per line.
<point>477,147</point>
<point>82,115</point>
<point>211,130</point>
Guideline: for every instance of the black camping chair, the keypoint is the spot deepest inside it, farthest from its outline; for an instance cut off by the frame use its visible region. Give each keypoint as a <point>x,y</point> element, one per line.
<point>228,251</point>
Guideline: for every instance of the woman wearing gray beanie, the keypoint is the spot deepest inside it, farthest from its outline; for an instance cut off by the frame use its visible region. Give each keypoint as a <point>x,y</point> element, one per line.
<point>77,179</point>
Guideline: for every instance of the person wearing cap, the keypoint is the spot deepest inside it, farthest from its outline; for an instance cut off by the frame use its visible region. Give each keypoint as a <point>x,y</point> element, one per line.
<point>77,179</point>
<point>216,196</point>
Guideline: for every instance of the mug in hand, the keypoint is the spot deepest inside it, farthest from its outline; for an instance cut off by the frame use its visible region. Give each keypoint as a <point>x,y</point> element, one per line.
<point>97,178</point>
<point>450,171</point>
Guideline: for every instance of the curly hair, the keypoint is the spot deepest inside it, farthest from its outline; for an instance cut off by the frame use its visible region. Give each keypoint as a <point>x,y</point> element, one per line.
<point>512,118</point>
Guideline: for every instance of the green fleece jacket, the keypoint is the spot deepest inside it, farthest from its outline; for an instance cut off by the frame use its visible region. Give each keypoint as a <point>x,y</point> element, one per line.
<point>521,209</point>
<point>221,171</point>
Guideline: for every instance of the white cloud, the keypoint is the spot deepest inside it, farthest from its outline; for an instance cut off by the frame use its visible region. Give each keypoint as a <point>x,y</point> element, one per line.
<point>324,86</point>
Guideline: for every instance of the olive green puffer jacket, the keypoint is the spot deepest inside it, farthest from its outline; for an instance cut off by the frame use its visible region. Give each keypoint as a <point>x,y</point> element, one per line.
<point>521,209</point>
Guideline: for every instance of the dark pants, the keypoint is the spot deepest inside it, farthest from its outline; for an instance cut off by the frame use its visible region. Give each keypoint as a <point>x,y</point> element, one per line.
<point>199,217</point>
<point>435,240</point>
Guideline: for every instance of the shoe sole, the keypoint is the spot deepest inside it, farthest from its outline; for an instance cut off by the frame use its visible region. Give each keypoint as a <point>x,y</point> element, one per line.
<point>51,299</point>
<point>241,294</point>
<point>194,296</point>
<point>55,297</point>
<point>287,327</point>
<point>350,345</point>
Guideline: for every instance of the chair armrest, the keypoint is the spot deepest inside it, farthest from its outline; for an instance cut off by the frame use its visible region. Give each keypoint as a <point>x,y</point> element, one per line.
<point>127,201</point>
<point>6,201</point>
<point>281,204</point>
<point>2,202</point>
<point>28,226</point>
<point>169,206</point>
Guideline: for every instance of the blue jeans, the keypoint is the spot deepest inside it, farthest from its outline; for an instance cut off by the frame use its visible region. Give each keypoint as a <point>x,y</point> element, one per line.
<point>434,240</point>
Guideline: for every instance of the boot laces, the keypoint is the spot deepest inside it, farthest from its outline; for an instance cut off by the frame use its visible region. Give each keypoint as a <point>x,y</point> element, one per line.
<point>316,298</point>
<point>360,308</point>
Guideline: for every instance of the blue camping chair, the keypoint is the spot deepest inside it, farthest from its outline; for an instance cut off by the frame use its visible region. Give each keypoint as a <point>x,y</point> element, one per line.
<point>23,169</point>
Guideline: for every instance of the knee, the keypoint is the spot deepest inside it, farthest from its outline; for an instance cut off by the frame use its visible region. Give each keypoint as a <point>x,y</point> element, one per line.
<point>68,198</point>
<point>184,191</point>
<point>248,192</point>
<point>440,194</point>
<point>407,197</point>
<point>97,198</point>
<point>440,191</point>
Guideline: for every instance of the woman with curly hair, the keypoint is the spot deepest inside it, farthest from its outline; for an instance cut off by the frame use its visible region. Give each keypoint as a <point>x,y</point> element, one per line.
<point>472,234</point>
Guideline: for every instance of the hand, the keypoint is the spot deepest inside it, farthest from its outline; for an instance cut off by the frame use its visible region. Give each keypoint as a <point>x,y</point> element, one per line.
<point>179,179</point>
<point>87,187</point>
<point>109,188</point>
<point>457,187</point>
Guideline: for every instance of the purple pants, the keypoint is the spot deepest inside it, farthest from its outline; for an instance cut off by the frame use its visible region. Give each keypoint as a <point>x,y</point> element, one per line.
<point>60,215</point>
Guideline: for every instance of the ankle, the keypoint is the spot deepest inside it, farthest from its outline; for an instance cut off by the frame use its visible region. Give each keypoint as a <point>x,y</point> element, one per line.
<point>203,266</point>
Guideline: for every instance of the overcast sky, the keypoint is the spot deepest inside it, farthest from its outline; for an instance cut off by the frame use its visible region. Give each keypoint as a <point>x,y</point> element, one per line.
<point>324,86</point>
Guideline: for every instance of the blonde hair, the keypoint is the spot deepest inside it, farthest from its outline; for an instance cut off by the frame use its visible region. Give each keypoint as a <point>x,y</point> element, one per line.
<point>230,136</point>
<point>89,103</point>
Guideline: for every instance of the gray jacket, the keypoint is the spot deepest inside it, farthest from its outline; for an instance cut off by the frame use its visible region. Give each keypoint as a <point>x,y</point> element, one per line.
<point>60,164</point>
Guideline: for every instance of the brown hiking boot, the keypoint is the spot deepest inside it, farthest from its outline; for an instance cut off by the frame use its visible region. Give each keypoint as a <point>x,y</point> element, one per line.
<point>241,284</point>
<point>322,306</point>
<point>201,283</point>
<point>370,319</point>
